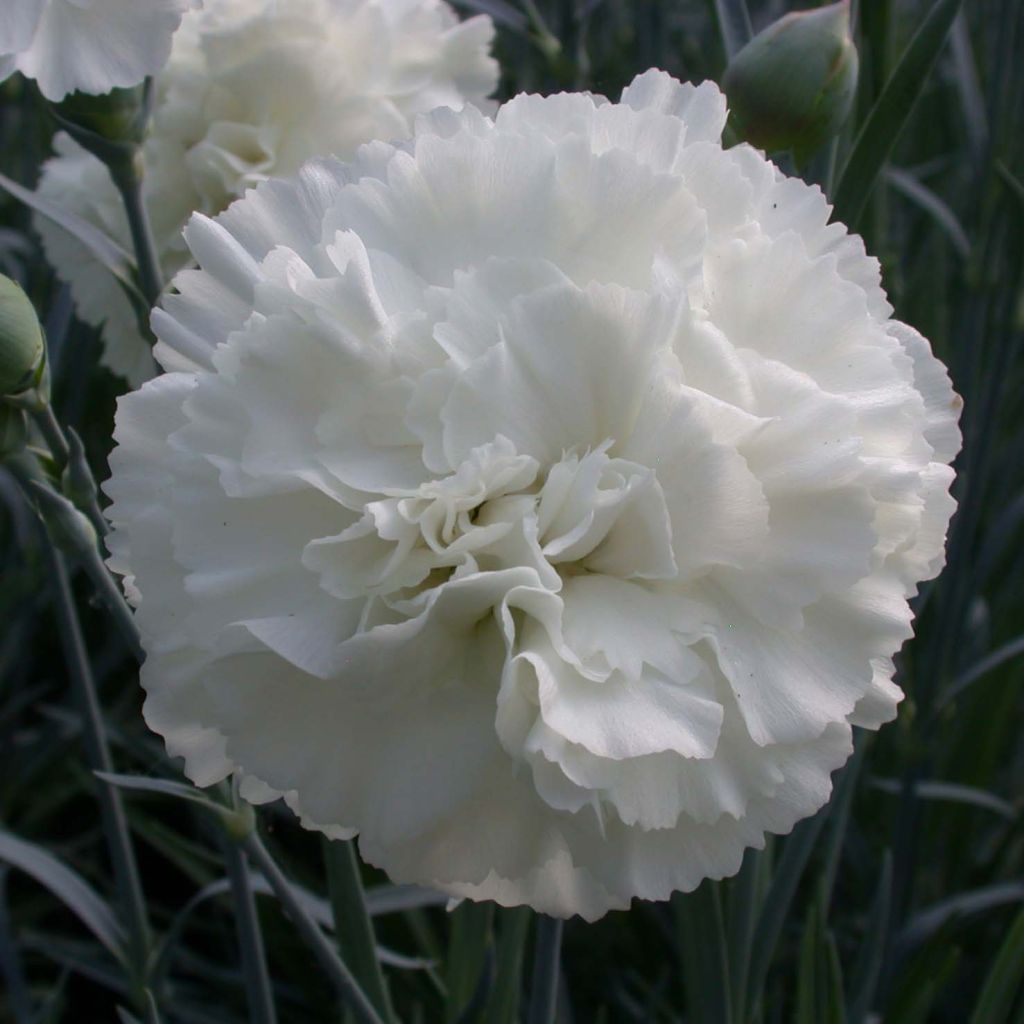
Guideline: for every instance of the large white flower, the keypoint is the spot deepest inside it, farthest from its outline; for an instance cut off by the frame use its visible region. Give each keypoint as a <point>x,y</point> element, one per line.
<point>90,46</point>
<point>538,499</point>
<point>253,89</point>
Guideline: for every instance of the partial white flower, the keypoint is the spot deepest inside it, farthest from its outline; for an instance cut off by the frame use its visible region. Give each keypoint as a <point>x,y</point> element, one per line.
<point>89,46</point>
<point>538,499</point>
<point>253,89</point>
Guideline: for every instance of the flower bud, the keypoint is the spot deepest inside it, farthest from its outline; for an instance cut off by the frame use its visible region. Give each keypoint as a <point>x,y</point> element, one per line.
<point>792,86</point>
<point>69,529</point>
<point>21,339</point>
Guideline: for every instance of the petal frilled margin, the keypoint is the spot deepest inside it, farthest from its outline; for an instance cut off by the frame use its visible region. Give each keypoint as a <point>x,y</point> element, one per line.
<point>538,499</point>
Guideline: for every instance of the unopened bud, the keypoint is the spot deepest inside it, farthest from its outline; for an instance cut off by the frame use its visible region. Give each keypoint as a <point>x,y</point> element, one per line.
<point>68,528</point>
<point>77,481</point>
<point>792,86</point>
<point>21,340</point>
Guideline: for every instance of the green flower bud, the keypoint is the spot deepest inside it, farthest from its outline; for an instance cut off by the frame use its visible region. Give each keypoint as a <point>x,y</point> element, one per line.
<point>21,340</point>
<point>13,431</point>
<point>69,529</point>
<point>792,86</point>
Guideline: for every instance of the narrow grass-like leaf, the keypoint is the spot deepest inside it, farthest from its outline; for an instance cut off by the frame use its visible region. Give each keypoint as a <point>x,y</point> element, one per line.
<point>890,113</point>
<point>335,969</point>
<point>839,817</point>
<point>393,899</point>
<point>936,208</point>
<point>733,25</point>
<point>964,904</point>
<point>704,952</point>
<point>546,969</point>
<point>1004,979</point>
<point>258,990</point>
<point>467,954</point>
<point>972,101</point>
<point>513,928</point>
<point>165,787</point>
<point>780,896</point>
<point>68,886</point>
<point>743,906</point>
<point>987,664</point>
<point>955,793</point>
<point>807,971</point>
<point>868,966</point>
<point>104,248</point>
<point>352,926</point>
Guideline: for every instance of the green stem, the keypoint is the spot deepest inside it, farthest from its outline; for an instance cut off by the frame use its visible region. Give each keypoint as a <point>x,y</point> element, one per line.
<point>115,824</point>
<point>126,176</point>
<point>111,595</point>
<point>333,966</point>
<point>352,925</point>
<point>250,938</point>
<point>544,992</point>
<point>52,433</point>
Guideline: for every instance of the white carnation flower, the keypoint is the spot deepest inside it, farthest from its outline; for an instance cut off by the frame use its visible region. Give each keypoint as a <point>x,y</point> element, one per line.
<point>253,89</point>
<point>89,46</point>
<point>538,499</point>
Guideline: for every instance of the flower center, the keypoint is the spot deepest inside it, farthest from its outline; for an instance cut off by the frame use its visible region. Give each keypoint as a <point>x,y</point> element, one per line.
<point>589,512</point>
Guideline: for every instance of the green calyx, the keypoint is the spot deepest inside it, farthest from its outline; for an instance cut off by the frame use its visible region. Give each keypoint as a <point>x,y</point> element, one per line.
<point>792,86</point>
<point>22,352</point>
<point>106,123</point>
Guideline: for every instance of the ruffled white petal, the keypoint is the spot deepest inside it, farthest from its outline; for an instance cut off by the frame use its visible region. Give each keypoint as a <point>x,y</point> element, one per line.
<point>538,499</point>
<point>252,89</point>
<point>89,47</point>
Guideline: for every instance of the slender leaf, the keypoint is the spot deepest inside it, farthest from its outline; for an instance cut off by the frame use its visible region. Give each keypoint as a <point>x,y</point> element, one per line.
<point>1004,978</point>
<point>165,787</point>
<point>890,113</point>
<point>955,793</point>
<point>546,969</point>
<point>733,25</point>
<point>353,928</point>
<point>68,886</point>
<point>982,668</point>
<point>104,248</point>
<point>780,896</point>
<point>868,966</point>
<point>744,904</point>
<point>975,118</point>
<point>705,955</point>
<point>467,954</point>
<point>966,904</point>
<point>936,208</point>
<point>392,899</point>
<point>513,928</point>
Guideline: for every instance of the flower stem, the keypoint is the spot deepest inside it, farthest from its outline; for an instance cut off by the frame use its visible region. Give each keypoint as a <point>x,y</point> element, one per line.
<point>334,967</point>
<point>110,594</point>
<point>254,961</point>
<point>52,433</point>
<point>128,179</point>
<point>544,993</point>
<point>115,824</point>
<point>352,925</point>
